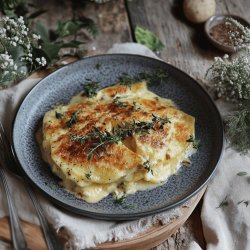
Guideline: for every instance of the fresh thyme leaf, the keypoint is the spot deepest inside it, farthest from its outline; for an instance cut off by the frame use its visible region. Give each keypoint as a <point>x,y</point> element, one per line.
<point>127,80</point>
<point>120,104</point>
<point>147,166</point>
<point>59,115</point>
<point>100,139</point>
<point>242,173</point>
<point>98,66</point>
<point>160,120</point>
<point>243,201</point>
<point>190,139</point>
<point>238,128</point>
<point>239,202</point>
<point>147,38</point>
<point>90,88</point>
<point>224,203</point>
<point>73,119</point>
<point>136,106</point>
<point>246,203</point>
<point>120,200</point>
<point>154,78</point>
<point>129,206</point>
<point>196,143</point>
<point>157,77</point>
<point>88,175</point>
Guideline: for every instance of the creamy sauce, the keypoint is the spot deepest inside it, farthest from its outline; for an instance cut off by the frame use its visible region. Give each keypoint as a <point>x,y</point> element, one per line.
<point>92,181</point>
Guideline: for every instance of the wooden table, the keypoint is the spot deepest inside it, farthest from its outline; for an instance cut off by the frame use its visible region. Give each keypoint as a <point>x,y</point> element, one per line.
<point>186,47</point>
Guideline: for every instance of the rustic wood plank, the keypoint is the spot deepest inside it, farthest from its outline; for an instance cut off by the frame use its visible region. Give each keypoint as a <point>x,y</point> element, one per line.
<point>186,44</point>
<point>188,49</point>
<point>111,20</point>
<point>33,234</point>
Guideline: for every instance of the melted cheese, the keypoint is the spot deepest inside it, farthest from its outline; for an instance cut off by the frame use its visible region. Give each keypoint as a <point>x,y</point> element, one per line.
<point>120,169</point>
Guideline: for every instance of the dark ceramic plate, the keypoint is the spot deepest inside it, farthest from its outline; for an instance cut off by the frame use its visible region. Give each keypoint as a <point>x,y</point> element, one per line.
<point>61,85</point>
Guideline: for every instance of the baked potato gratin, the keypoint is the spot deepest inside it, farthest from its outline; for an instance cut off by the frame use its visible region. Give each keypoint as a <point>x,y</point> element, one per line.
<point>119,140</point>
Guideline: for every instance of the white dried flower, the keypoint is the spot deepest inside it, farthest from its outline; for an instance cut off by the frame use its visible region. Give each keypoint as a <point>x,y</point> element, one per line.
<point>14,33</point>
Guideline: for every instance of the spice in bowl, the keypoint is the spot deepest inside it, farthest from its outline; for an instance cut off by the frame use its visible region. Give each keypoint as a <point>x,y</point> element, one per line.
<point>230,32</point>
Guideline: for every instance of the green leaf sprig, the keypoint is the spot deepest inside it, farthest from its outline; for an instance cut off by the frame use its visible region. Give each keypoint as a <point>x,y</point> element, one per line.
<point>156,77</point>
<point>73,119</point>
<point>90,88</point>
<point>119,103</point>
<point>224,203</point>
<point>147,38</point>
<point>196,143</point>
<point>100,139</point>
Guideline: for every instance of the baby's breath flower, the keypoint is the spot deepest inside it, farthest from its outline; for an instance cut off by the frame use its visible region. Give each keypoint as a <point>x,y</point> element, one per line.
<point>231,77</point>
<point>240,34</point>
<point>15,34</point>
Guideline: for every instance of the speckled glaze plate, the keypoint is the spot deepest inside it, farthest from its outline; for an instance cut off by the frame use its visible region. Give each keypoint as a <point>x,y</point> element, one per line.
<point>61,85</point>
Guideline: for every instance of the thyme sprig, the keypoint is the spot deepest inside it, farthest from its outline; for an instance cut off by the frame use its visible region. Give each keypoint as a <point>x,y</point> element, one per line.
<point>148,166</point>
<point>90,88</point>
<point>224,202</point>
<point>151,78</point>
<point>73,119</point>
<point>196,143</point>
<point>238,127</point>
<point>99,140</point>
<point>59,115</point>
<point>120,104</point>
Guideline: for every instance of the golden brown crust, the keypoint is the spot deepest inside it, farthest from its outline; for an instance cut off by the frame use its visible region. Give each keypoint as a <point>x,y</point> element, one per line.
<point>124,160</point>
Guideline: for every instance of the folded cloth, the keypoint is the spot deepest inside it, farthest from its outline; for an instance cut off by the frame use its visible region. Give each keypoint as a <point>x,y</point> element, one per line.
<point>225,212</point>
<point>83,232</point>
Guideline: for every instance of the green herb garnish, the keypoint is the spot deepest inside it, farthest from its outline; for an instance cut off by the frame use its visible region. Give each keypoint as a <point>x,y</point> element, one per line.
<point>100,139</point>
<point>73,119</point>
<point>129,206</point>
<point>120,200</point>
<point>238,127</point>
<point>90,88</point>
<point>127,80</point>
<point>242,173</point>
<point>224,203</point>
<point>120,104</point>
<point>151,78</point>
<point>147,38</point>
<point>196,143</point>
<point>243,201</point>
<point>148,167</point>
<point>88,175</point>
<point>59,115</point>
<point>161,121</point>
<point>98,66</point>
<point>136,106</point>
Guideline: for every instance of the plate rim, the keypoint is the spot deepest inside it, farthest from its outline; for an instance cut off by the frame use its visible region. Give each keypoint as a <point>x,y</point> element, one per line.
<point>121,216</point>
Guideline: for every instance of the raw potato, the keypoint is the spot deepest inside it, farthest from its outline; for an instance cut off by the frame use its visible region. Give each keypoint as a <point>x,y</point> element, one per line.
<point>198,11</point>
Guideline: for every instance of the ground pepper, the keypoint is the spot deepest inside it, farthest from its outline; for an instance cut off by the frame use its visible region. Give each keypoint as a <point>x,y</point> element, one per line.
<point>225,33</point>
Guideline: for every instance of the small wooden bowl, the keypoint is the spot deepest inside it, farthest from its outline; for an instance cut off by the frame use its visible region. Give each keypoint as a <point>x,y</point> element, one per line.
<point>214,20</point>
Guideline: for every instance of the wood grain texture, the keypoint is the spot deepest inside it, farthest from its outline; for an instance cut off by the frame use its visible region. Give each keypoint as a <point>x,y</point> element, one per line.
<point>111,20</point>
<point>186,45</point>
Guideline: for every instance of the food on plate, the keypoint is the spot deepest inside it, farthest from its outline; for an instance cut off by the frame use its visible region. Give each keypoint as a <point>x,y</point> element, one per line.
<point>118,140</point>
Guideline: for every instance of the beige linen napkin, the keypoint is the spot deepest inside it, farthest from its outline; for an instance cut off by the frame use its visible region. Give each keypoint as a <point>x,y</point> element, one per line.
<point>84,232</point>
<point>227,227</point>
